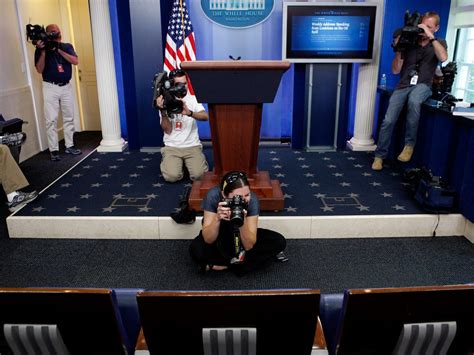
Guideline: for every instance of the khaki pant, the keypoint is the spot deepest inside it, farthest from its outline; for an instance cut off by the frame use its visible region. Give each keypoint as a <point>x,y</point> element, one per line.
<point>11,177</point>
<point>56,97</point>
<point>172,163</point>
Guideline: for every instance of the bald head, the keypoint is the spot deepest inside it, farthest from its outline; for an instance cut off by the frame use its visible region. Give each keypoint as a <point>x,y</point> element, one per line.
<point>53,28</point>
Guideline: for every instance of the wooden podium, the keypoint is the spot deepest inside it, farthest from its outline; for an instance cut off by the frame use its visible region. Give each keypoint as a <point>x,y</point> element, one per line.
<point>235,92</point>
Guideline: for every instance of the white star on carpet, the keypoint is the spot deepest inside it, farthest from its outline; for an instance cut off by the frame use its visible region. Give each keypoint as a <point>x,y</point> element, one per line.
<point>314,184</point>
<point>275,159</point>
<point>95,159</point>
<point>38,209</point>
<point>113,166</point>
<point>140,166</point>
<point>363,208</point>
<point>319,195</point>
<point>108,209</point>
<point>96,185</point>
<point>53,196</point>
<point>300,158</point>
<point>327,209</point>
<point>146,159</point>
<point>399,208</point>
<point>144,209</point>
<point>118,196</point>
<point>73,209</point>
<point>76,175</point>
<point>105,175</point>
<point>127,185</point>
<point>296,152</point>
<point>367,174</point>
<point>157,185</point>
<point>188,185</point>
<point>394,174</point>
<point>375,184</point>
<point>287,196</point>
<point>304,166</point>
<point>345,184</point>
<point>358,166</point>
<point>277,166</point>
<point>351,158</point>
<point>280,175</point>
<point>151,196</point>
<point>272,152</point>
<point>332,166</point>
<point>405,183</point>
<point>121,159</point>
<point>326,158</point>
<point>134,175</point>
<point>284,184</point>
<point>309,175</point>
<point>86,196</point>
<point>353,195</point>
<point>87,167</point>
<point>386,194</point>
<point>338,174</point>
<point>291,209</point>
<point>66,184</point>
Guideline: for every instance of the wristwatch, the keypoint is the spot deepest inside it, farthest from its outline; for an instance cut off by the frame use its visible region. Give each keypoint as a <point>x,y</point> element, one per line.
<point>433,39</point>
<point>191,113</point>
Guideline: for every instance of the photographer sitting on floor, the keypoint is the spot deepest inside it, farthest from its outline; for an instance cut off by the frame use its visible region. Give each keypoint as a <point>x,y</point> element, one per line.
<point>181,138</point>
<point>230,237</point>
<point>11,177</point>
<point>416,61</point>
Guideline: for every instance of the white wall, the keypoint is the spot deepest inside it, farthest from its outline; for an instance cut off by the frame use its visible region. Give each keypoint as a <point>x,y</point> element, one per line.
<point>20,84</point>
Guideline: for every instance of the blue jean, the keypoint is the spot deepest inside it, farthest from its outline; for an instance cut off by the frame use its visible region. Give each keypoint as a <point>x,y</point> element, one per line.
<point>416,95</point>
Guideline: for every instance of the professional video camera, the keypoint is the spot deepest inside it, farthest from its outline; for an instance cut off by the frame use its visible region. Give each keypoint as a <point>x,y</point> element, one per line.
<point>237,205</point>
<point>443,84</point>
<point>37,33</point>
<point>171,91</point>
<point>408,33</point>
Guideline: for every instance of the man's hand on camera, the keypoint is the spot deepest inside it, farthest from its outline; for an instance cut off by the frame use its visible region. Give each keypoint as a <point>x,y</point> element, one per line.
<point>186,111</point>
<point>160,102</point>
<point>40,44</point>
<point>223,212</point>
<point>427,31</point>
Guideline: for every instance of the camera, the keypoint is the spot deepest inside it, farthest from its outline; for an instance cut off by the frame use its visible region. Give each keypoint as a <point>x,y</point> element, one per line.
<point>408,33</point>
<point>443,84</point>
<point>36,33</point>
<point>171,91</point>
<point>237,205</point>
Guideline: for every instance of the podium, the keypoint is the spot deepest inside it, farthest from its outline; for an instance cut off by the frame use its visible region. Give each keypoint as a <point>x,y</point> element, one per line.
<point>235,92</point>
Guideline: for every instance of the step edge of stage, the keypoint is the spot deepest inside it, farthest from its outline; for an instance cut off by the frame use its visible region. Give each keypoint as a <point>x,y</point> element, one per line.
<point>292,227</point>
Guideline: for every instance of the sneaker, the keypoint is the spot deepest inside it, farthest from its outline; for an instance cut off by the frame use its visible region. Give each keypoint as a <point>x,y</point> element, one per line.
<point>377,164</point>
<point>406,154</point>
<point>13,139</point>
<point>281,257</point>
<point>55,155</point>
<point>73,150</point>
<point>21,200</point>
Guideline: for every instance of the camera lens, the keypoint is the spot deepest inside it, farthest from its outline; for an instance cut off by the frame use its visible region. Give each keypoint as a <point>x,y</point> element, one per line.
<point>237,216</point>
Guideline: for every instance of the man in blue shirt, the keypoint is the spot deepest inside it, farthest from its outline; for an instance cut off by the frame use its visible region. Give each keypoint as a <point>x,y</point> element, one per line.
<point>55,65</point>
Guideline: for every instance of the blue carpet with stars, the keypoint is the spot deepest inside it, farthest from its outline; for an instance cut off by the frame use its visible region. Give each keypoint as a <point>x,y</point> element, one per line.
<point>314,184</point>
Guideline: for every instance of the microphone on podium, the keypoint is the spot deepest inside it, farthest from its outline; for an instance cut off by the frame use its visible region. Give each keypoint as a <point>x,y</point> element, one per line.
<point>231,57</point>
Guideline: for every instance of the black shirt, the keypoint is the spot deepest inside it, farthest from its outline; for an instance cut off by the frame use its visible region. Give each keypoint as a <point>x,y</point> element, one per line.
<point>53,59</point>
<point>421,59</point>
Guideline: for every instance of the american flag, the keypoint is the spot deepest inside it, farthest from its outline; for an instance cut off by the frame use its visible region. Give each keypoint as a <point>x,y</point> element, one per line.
<point>180,44</point>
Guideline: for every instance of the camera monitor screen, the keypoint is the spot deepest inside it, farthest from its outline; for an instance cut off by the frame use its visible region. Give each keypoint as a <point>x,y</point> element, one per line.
<point>329,32</point>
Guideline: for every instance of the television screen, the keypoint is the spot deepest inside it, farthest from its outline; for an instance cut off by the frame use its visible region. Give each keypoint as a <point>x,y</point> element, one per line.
<point>329,32</point>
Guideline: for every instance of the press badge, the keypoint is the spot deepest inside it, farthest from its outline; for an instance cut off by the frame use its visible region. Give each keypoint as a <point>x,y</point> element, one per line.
<point>178,125</point>
<point>60,68</point>
<point>414,79</point>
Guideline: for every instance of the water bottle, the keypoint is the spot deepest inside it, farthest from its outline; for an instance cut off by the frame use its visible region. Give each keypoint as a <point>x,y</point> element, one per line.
<point>383,81</point>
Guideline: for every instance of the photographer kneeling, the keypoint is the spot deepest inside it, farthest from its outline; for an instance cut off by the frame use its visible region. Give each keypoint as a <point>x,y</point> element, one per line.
<point>181,138</point>
<point>416,62</point>
<point>229,237</point>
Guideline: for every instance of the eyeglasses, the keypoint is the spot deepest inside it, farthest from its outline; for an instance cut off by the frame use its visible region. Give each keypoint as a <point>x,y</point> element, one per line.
<point>176,72</point>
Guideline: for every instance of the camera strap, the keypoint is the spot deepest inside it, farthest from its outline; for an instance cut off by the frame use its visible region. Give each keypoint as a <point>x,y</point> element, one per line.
<point>238,248</point>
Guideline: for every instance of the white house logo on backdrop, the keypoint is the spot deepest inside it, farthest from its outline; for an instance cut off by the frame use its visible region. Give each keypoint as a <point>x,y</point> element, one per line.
<point>237,13</point>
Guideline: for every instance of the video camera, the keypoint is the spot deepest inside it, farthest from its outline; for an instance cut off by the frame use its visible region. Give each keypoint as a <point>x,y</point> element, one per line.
<point>442,85</point>
<point>408,33</point>
<point>171,91</point>
<point>37,33</point>
<point>237,205</point>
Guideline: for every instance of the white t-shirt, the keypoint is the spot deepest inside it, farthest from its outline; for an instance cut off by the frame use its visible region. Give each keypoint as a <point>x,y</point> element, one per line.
<point>184,132</point>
